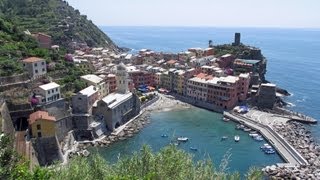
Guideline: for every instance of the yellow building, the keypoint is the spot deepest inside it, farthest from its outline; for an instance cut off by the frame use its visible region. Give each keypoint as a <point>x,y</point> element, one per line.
<point>42,125</point>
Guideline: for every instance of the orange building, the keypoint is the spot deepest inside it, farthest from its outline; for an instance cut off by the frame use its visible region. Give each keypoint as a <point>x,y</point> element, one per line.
<point>42,124</point>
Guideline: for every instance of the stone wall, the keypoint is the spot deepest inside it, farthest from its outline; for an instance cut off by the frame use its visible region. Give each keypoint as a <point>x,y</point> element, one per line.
<point>6,121</point>
<point>63,126</point>
<point>13,79</point>
<point>47,150</point>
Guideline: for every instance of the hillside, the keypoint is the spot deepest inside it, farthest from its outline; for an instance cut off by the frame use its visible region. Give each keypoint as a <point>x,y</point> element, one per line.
<point>57,19</point>
<point>14,45</point>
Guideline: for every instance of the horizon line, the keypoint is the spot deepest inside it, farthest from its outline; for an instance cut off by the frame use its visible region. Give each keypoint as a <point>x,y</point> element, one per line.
<point>201,26</point>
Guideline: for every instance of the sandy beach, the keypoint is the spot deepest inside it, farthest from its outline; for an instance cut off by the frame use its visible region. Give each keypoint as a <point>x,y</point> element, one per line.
<point>167,103</point>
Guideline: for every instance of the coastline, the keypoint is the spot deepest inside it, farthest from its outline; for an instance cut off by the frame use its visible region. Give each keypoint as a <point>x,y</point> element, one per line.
<point>162,104</point>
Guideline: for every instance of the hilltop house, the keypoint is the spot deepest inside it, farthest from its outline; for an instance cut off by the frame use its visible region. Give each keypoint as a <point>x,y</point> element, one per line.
<point>36,67</point>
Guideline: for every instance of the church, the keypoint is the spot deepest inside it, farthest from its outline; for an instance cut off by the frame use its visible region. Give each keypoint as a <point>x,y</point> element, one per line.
<point>119,107</point>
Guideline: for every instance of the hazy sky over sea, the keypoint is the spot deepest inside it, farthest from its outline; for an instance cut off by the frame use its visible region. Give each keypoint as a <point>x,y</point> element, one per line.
<point>219,13</point>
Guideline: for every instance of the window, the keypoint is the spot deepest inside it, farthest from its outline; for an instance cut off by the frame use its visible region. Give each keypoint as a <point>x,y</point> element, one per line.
<point>36,64</point>
<point>24,64</point>
<point>38,126</point>
<point>52,91</point>
<point>56,89</point>
<point>36,71</point>
<point>39,134</point>
<point>49,92</point>
<point>43,70</point>
<point>42,63</point>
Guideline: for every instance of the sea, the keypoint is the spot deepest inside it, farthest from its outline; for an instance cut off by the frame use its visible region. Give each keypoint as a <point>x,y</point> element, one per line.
<point>293,64</point>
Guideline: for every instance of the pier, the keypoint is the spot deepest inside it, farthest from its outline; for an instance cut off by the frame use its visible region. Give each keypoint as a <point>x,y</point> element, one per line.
<point>286,151</point>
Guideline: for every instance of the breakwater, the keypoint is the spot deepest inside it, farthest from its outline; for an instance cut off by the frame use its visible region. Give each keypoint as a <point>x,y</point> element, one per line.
<point>289,154</point>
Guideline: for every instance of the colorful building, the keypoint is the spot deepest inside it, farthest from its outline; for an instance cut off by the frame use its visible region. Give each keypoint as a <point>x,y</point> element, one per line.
<point>42,124</point>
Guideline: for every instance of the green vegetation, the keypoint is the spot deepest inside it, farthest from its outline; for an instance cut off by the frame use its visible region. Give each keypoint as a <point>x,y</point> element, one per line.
<point>56,18</point>
<point>169,163</point>
<point>14,45</point>
<point>242,51</point>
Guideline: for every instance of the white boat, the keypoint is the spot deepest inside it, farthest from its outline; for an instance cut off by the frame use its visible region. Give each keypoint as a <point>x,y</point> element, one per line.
<point>246,129</point>
<point>226,119</point>
<point>236,138</point>
<point>183,139</point>
<point>253,135</point>
<point>258,138</point>
<point>266,146</point>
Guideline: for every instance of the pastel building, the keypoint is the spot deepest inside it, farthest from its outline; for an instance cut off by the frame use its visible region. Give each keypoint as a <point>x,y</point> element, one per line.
<point>98,83</point>
<point>178,82</point>
<point>223,92</point>
<point>112,82</point>
<point>42,124</point>
<point>36,67</point>
<point>48,92</point>
<point>197,87</point>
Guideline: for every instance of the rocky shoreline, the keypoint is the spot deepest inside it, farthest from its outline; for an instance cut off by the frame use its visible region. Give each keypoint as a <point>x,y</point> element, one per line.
<point>300,138</point>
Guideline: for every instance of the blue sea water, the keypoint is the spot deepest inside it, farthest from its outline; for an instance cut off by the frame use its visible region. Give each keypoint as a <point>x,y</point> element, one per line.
<point>293,64</point>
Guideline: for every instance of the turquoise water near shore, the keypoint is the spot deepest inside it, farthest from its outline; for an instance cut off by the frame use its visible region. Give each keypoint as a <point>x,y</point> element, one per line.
<point>293,64</point>
<point>205,129</point>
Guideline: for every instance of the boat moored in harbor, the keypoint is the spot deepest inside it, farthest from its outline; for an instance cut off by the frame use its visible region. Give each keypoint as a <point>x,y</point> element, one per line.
<point>236,138</point>
<point>182,139</point>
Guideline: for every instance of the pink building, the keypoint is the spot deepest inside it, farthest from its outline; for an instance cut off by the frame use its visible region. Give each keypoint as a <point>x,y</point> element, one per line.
<point>223,92</point>
<point>111,80</point>
<point>197,87</point>
<point>43,40</point>
<point>225,60</point>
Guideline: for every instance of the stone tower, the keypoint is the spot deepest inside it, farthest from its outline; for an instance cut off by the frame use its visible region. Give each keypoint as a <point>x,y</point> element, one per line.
<point>122,79</point>
<point>237,39</point>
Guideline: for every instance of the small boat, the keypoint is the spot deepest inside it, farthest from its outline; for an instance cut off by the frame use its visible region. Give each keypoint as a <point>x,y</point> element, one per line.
<point>236,138</point>
<point>254,135</point>
<point>193,149</point>
<point>258,138</point>
<point>164,135</point>
<point>183,139</point>
<point>226,119</point>
<point>239,126</point>
<point>246,129</point>
<point>270,151</point>
<point>253,132</point>
<point>266,146</point>
<point>224,138</point>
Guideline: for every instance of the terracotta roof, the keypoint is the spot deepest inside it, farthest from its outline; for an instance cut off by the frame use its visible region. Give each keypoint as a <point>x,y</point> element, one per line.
<point>40,115</point>
<point>171,62</point>
<point>32,59</point>
<point>201,75</point>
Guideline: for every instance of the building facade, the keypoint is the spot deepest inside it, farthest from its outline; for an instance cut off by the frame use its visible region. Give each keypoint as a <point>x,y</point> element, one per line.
<point>119,107</point>
<point>42,124</point>
<point>48,92</point>
<point>36,67</point>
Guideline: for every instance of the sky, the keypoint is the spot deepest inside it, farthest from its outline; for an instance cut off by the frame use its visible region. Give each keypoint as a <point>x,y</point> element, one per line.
<point>215,13</point>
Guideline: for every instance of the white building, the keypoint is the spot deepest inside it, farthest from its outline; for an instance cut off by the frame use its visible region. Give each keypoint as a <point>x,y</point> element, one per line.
<point>48,92</point>
<point>98,83</point>
<point>36,67</point>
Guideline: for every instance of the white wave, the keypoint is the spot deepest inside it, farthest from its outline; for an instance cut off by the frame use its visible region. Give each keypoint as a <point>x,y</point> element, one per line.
<point>290,104</point>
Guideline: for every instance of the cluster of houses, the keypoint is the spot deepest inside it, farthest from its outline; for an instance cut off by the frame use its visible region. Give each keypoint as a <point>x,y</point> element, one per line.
<point>109,99</point>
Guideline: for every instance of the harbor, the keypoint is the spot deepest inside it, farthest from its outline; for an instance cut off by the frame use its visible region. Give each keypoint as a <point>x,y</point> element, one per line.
<point>287,152</point>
